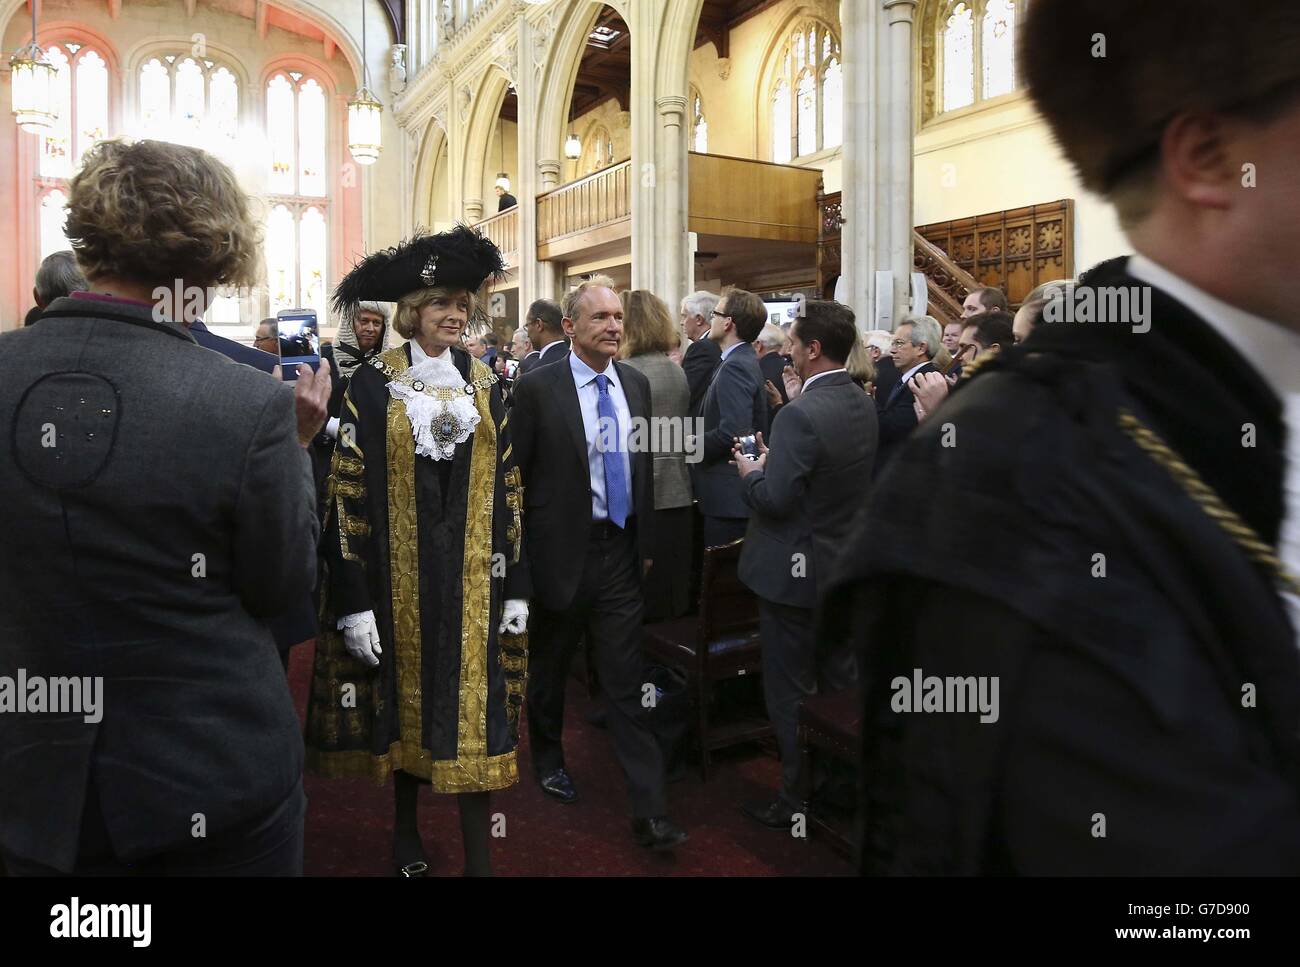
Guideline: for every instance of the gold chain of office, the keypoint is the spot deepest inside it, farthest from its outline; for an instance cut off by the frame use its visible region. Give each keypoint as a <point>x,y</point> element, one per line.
<point>1242,534</point>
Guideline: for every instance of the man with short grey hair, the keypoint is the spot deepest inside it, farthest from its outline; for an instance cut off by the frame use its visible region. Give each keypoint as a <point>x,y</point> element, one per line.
<point>915,342</point>
<point>57,277</point>
<point>703,354</point>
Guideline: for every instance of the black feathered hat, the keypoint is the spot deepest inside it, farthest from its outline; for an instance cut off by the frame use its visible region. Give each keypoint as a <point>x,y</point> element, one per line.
<point>459,259</point>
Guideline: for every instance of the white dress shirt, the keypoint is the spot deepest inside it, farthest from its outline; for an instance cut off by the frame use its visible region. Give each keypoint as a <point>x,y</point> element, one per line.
<point>584,379</point>
<point>1274,351</point>
<point>727,352</point>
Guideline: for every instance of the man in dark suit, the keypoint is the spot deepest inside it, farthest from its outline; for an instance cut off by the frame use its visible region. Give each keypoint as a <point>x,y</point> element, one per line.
<point>804,490</point>
<point>570,424</point>
<point>545,326</point>
<point>734,406</point>
<point>772,363</point>
<point>703,354</point>
<point>915,342</point>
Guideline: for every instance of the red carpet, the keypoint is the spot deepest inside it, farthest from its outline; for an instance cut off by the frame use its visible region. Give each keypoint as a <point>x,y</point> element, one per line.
<point>349,822</point>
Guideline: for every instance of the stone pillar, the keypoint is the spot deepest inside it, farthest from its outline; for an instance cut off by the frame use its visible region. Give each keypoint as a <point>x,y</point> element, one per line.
<point>548,175</point>
<point>858,253</point>
<point>646,176</point>
<point>672,271</point>
<point>549,276</point>
<point>900,150</point>
<point>527,179</point>
<point>473,210</point>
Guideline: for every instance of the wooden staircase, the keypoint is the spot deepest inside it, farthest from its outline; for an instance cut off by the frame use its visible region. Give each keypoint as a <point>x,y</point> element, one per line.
<point>947,283</point>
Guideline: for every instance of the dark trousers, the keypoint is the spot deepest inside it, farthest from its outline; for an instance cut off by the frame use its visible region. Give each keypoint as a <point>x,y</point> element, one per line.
<point>723,530</point>
<point>268,845</point>
<point>607,609</point>
<point>792,671</point>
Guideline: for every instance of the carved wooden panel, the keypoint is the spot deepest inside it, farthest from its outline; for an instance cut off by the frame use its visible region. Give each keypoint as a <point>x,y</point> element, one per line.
<point>829,220</point>
<point>1015,250</point>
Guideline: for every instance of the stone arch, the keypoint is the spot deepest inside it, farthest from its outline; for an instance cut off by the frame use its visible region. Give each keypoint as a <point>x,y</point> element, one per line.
<point>559,74</point>
<point>485,105</point>
<point>432,199</point>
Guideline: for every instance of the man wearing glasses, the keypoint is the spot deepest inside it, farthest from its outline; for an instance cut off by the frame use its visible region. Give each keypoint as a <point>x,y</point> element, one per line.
<point>915,342</point>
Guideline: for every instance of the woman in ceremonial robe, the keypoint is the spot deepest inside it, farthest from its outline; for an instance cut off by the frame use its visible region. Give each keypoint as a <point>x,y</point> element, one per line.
<point>423,676</point>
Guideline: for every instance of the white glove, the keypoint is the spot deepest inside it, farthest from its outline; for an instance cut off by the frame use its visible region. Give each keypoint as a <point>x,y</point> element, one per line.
<point>361,637</point>
<point>332,427</point>
<point>514,617</point>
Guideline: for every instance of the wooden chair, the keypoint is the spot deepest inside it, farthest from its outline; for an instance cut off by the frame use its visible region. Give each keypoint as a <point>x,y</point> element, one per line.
<point>720,642</point>
<point>830,725</point>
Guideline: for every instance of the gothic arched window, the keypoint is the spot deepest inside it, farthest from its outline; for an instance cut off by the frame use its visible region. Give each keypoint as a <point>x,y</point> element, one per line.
<point>297,228</point>
<point>807,94</point>
<point>976,48</point>
<point>191,100</point>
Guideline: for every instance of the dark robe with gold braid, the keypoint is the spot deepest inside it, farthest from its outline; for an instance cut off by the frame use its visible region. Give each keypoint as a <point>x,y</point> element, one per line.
<point>433,548</point>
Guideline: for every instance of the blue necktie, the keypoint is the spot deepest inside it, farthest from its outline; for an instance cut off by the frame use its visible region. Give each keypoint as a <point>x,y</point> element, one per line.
<point>615,478</point>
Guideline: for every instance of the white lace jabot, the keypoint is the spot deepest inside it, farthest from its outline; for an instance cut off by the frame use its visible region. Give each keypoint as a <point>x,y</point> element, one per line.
<point>439,404</point>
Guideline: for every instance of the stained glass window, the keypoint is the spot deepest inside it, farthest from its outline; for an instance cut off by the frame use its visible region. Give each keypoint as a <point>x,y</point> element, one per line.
<point>92,102</point>
<point>806,93</point>
<point>53,215</point>
<point>312,260</point>
<point>781,123</point>
<point>999,48</point>
<point>279,131</point>
<point>281,260</point>
<point>311,139</point>
<point>959,59</point>
<point>833,105</point>
<point>808,96</point>
<point>297,231</point>
<point>187,117</point>
<point>56,143</point>
<point>155,99</point>
<point>223,107</point>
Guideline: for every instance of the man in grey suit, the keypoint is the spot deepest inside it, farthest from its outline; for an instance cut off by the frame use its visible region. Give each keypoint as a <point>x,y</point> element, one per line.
<point>734,406</point>
<point>804,492</point>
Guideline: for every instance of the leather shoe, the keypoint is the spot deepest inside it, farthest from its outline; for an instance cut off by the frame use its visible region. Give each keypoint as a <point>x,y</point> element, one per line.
<point>658,833</point>
<point>559,786</point>
<point>776,814</point>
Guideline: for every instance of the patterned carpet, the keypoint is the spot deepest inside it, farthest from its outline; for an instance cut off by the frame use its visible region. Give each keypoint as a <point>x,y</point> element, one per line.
<point>349,822</point>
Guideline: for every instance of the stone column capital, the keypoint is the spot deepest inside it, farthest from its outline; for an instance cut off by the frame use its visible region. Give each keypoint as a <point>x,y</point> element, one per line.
<point>671,104</point>
<point>899,11</point>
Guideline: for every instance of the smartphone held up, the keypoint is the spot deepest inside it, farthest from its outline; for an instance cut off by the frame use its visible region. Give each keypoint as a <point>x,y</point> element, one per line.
<point>298,338</point>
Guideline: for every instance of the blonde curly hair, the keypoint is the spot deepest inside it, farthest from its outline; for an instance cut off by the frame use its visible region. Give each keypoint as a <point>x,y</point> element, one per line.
<point>151,212</point>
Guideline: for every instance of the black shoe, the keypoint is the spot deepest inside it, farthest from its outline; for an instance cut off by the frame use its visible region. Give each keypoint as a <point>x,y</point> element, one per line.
<point>558,785</point>
<point>777,814</point>
<point>658,833</point>
<point>418,868</point>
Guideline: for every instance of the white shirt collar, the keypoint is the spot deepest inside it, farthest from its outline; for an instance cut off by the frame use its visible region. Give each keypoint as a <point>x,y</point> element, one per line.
<point>584,374</point>
<point>811,379</point>
<point>727,352</point>
<point>1272,349</point>
<point>908,374</point>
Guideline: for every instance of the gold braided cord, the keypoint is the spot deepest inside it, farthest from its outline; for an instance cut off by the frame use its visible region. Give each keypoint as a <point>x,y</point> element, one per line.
<point>1242,534</point>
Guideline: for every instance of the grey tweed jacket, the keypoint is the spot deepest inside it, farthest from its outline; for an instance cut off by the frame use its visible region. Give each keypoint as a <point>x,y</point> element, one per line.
<point>670,405</point>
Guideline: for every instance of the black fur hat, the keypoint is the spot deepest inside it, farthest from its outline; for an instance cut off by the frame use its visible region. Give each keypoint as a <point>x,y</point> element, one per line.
<point>1109,76</point>
<point>458,259</point>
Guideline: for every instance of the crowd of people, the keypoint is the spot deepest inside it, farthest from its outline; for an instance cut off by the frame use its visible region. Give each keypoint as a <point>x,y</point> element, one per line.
<point>1094,527</point>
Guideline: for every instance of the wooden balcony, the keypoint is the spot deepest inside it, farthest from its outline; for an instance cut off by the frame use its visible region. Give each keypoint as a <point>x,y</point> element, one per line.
<point>503,229</point>
<point>743,198</point>
<point>585,214</point>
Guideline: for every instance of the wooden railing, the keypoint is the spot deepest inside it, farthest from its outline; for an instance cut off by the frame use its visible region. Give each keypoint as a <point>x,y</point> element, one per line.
<point>947,283</point>
<point>503,229</point>
<point>587,212</point>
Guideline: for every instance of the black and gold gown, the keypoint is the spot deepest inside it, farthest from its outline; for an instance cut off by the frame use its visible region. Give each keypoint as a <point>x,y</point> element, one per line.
<point>433,548</point>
